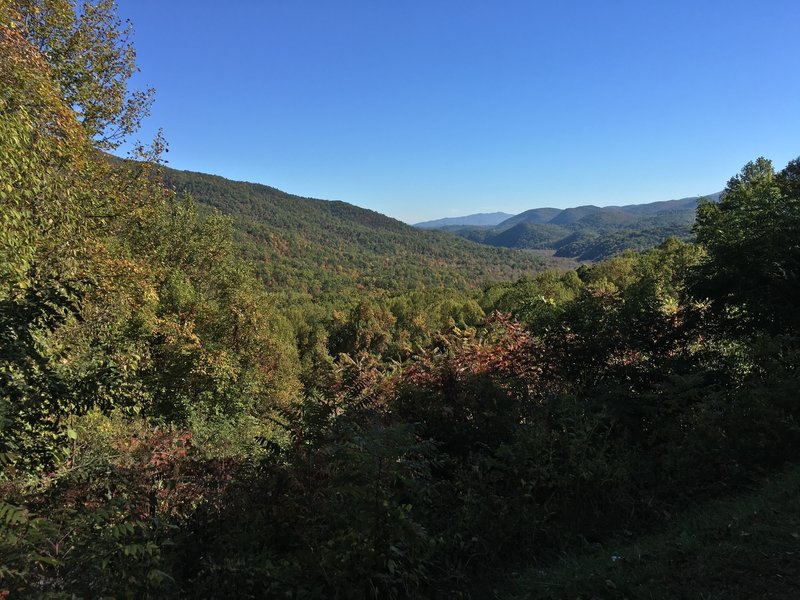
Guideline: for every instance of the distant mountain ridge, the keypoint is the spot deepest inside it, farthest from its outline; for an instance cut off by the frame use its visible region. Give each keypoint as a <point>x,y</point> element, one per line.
<point>588,232</point>
<point>478,219</point>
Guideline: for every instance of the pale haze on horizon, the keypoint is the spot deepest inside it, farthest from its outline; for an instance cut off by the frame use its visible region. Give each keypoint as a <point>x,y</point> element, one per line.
<point>440,109</point>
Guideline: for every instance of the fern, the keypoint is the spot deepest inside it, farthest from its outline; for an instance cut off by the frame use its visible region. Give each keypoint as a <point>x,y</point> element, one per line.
<point>12,515</point>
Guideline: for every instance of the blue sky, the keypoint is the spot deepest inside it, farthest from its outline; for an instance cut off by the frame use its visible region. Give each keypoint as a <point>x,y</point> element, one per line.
<point>426,109</point>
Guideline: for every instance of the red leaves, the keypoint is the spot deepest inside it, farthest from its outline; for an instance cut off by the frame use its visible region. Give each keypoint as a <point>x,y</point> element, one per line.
<point>506,352</point>
<point>154,472</point>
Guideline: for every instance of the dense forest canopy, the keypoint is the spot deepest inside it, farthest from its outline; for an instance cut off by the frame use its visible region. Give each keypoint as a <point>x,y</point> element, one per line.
<point>321,247</point>
<point>184,413</point>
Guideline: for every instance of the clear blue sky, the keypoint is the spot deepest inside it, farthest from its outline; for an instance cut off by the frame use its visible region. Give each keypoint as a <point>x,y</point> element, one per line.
<point>422,108</point>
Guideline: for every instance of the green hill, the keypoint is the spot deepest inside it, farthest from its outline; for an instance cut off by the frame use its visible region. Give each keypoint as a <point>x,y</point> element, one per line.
<point>529,235</point>
<point>319,246</point>
<point>535,215</point>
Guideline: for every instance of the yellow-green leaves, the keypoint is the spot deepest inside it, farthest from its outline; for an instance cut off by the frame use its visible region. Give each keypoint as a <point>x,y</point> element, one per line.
<point>89,52</point>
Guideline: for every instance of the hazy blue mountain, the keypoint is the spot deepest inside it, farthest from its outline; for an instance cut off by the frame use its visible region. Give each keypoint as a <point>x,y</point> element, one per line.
<point>480,219</point>
<point>587,232</point>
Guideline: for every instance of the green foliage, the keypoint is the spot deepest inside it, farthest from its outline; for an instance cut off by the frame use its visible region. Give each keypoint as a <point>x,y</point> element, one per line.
<point>36,391</point>
<point>751,237</point>
<point>211,343</point>
<point>114,293</point>
<point>51,260</point>
<point>537,302</point>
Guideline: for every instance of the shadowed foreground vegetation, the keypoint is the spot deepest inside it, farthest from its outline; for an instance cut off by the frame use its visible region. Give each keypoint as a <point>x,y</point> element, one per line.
<point>746,546</point>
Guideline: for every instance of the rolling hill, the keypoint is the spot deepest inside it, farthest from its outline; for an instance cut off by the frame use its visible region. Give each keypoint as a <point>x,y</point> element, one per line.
<point>320,246</point>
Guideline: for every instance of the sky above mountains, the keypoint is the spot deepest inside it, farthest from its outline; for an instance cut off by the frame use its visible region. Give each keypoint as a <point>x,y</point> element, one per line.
<point>422,110</point>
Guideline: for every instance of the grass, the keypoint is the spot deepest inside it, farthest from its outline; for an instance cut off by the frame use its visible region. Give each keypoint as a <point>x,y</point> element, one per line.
<point>747,546</point>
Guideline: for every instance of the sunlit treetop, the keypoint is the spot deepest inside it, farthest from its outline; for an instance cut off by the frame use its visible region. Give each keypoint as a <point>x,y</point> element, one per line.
<point>88,48</point>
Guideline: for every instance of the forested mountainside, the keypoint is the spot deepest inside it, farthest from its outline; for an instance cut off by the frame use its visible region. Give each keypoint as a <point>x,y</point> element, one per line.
<point>590,232</point>
<point>322,246</point>
<point>173,425</point>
